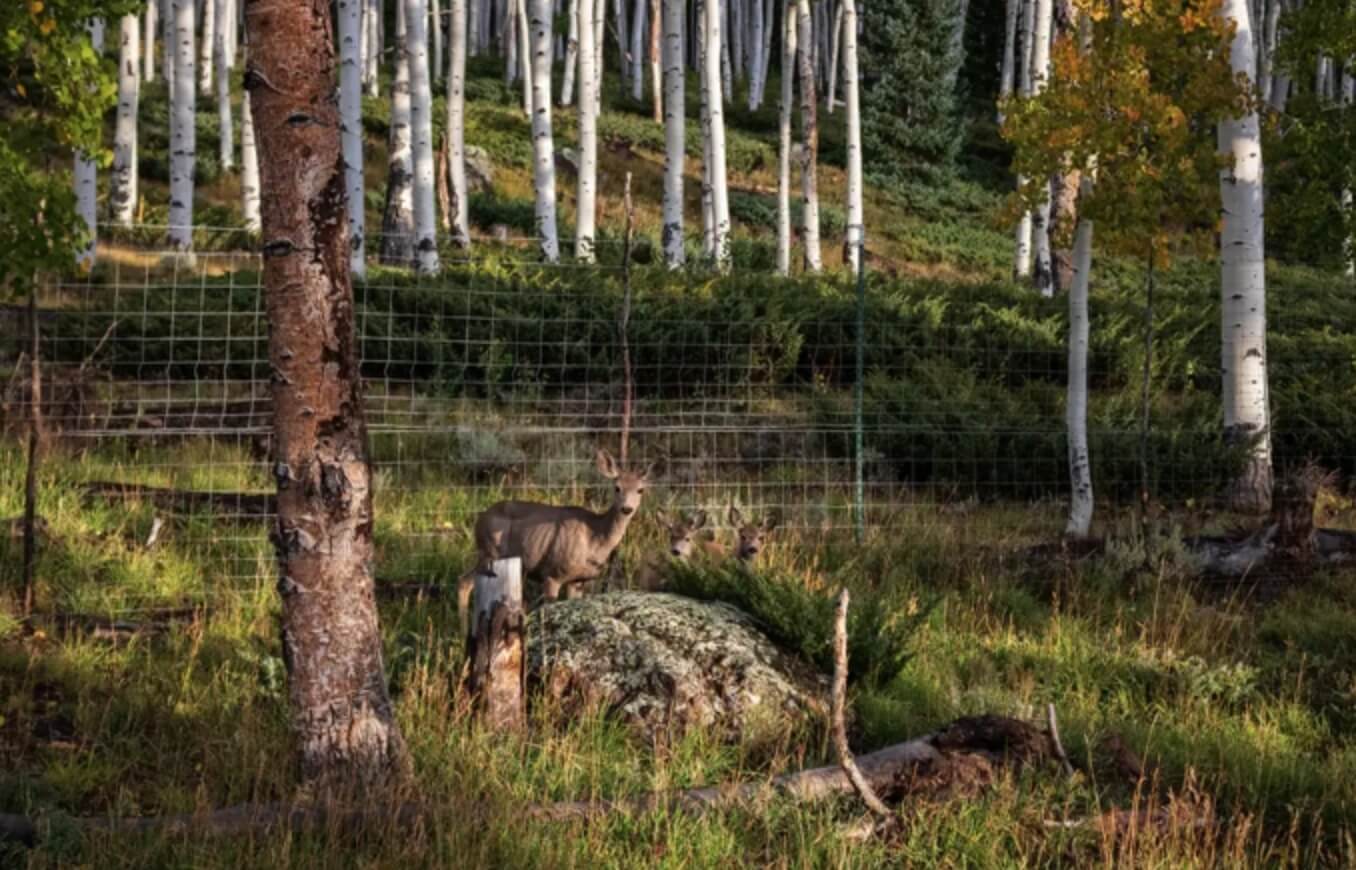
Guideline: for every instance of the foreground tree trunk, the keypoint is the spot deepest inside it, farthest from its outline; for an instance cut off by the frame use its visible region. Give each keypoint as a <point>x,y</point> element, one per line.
<point>341,712</point>
<point>543,145</point>
<point>675,131</point>
<point>249,168</point>
<point>350,14</point>
<point>456,123</point>
<point>1076,403</point>
<point>1243,286</point>
<point>183,134</point>
<point>784,142</point>
<point>587,179</point>
<point>421,127</point>
<point>809,125</point>
<point>122,188</point>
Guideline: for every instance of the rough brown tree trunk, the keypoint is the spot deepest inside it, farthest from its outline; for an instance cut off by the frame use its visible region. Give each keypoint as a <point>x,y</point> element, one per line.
<point>340,709</point>
<point>495,647</point>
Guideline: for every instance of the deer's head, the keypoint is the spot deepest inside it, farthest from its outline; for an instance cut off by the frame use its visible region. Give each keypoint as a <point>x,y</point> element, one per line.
<point>628,486</point>
<point>752,536</point>
<point>682,531</point>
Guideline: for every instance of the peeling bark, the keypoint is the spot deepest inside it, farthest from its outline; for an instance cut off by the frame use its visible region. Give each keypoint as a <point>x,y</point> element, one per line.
<point>341,712</point>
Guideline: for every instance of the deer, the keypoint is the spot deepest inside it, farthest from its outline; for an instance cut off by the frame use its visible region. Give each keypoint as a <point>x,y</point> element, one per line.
<point>561,546</point>
<point>751,537</point>
<point>683,531</point>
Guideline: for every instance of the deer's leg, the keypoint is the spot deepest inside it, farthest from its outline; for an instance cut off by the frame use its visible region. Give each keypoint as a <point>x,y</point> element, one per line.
<point>551,588</point>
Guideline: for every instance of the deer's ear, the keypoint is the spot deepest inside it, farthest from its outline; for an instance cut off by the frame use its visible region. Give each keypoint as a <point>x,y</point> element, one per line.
<point>607,466</point>
<point>699,520</point>
<point>736,518</point>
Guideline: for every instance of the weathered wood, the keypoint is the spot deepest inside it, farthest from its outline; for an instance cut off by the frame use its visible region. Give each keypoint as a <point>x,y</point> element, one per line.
<point>34,452</point>
<point>495,648</point>
<point>840,741</point>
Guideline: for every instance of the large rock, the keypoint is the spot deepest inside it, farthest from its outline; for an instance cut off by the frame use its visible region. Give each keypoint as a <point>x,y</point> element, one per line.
<point>479,169</point>
<point>664,663</point>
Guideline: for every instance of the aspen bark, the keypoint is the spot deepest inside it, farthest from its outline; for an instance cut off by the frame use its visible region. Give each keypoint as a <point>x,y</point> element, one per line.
<point>421,129</point>
<point>1043,272</point>
<point>855,238</point>
<point>351,127</point>
<point>496,647</point>
<point>372,51</point>
<point>809,123</point>
<point>587,178</point>
<point>1006,79</point>
<point>249,167</point>
<point>183,135</point>
<point>122,187</point>
<point>221,57</point>
<point>1076,403</point>
<point>704,108</point>
<point>341,713</point>
<point>207,47</point>
<point>456,124</point>
<point>639,25</point>
<point>152,19</point>
<point>571,54</point>
<point>1247,415</point>
<point>87,175</point>
<point>1021,268</point>
<point>784,141</point>
<point>436,31</point>
<point>715,132</point>
<point>756,24</point>
<point>599,15</point>
<point>543,146</point>
<point>675,132</point>
<point>833,64</point>
<point>526,60</point>
<point>657,60</point>
<point>397,227</point>
<point>169,49</point>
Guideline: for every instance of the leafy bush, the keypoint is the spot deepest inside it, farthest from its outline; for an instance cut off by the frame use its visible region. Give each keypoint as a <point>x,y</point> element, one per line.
<point>880,629</point>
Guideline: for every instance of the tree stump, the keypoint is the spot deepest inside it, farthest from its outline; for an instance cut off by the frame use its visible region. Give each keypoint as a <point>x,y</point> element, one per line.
<point>495,646</point>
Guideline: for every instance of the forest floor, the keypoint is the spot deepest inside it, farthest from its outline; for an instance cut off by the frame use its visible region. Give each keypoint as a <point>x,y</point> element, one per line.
<point>151,681</point>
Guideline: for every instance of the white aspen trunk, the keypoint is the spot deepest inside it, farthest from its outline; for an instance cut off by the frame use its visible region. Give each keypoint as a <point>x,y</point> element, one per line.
<point>769,26</point>
<point>1243,286</point>
<point>183,136</point>
<point>1076,403</point>
<point>421,127</point>
<point>734,26</point>
<point>122,187</point>
<point>473,25</point>
<point>436,25</point>
<point>233,33</point>
<point>152,18</point>
<point>755,54</point>
<point>856,215</point>
<point>509,41</point>
<point>1006,79</point>
<point>657,59</point>
<point>726,76</point>
<point>1021,268</point>
<point>397,226</point>
<point>168,46</point>
<point>833,64</point>
<point>784,141</point>
<point>373,29</point>
<point>208,46</point>
<point>527,61</point>
<point>720,198</point>
<point>351,127</point>
<point>87,174</point>
<point>222,54</point>
<point>571,54</point>
<point>809,124</point>
<point>586,190</point>
<point>675,132</point>
<point>1043,274</point>
<point>456,123</point>
<point>623,32</point>
<point>599,16</point>
<point>1265,80</point>
<point>704,95</point>
<point>543,147</point>
<point>249,167</point>
<point>639,25</point>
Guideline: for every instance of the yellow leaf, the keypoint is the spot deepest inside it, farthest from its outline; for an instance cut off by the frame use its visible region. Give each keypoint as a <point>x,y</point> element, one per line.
<point>47,26</point>
<point>35,8</point>
<point>23,92</point>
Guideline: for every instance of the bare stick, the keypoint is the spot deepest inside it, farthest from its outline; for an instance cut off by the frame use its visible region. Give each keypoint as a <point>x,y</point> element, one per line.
<point>98,347</point>
<point>628,386</point>
<point>1053,723</point>
<point>840,741</point>
<point>34,450</point>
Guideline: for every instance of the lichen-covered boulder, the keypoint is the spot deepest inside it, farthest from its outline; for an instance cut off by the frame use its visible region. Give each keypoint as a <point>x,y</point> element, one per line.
<point>664,663</point>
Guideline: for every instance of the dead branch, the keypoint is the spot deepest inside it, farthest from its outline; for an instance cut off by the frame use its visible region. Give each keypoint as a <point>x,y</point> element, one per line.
<point>1053,723</point>
<point>840,741</point>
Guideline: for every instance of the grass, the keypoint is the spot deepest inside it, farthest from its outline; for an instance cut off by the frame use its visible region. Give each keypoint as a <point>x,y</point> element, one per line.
<point>1243,705</point>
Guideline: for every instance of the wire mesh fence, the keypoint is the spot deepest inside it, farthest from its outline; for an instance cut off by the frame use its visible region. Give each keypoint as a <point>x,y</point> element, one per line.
<point>501,377</point>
